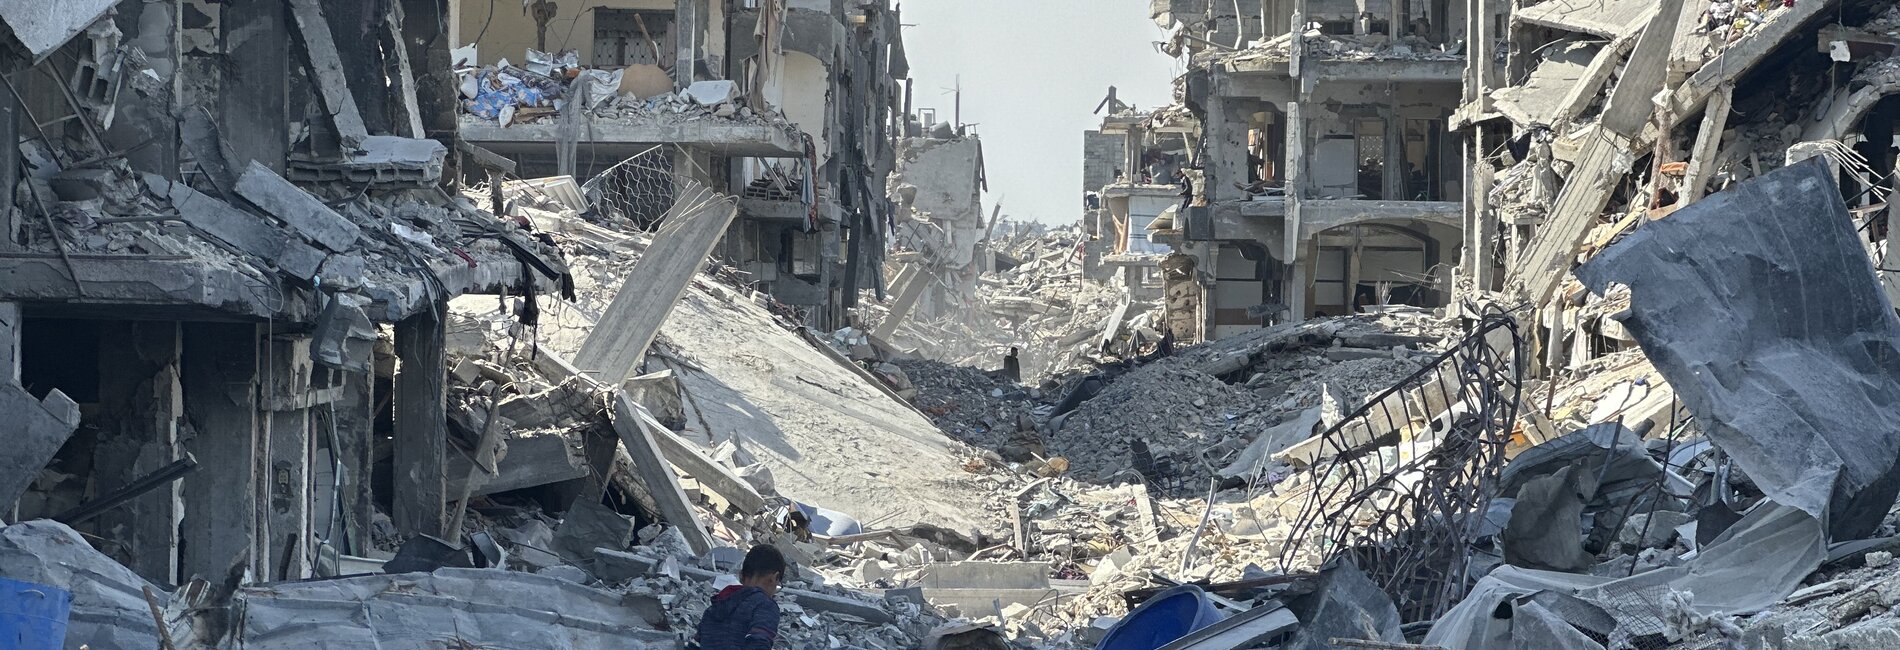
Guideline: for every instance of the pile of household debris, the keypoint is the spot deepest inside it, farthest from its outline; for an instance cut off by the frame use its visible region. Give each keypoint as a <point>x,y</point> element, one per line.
<point>539,91</point>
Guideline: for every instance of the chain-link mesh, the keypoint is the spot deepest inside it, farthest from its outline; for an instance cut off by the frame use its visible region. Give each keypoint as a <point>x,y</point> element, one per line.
<point>638,190</point>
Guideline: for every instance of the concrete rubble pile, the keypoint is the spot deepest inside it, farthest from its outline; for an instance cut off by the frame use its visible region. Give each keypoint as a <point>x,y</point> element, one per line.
<point>1043,306</point>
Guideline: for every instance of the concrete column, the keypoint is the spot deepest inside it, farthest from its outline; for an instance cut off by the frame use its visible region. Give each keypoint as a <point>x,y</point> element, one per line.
<point>436,85</point>
<point>253,106</point>
<point>1295,186</point>
<point>353,415</point>
<point>911,282</point>
<point>686,30</point>
<point>141,402</point>
<point>10,343</point>
<point>358,27</point>
<point>1481,226</point>
<point>1296,282</point>
<point>1209,273</point>
<point>287,386</point>
<point>220,398</point>
<point>421,422</point>
<point>1394,185</point>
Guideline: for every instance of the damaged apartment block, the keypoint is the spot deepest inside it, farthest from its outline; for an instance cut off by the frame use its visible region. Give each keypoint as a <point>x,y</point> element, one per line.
<point>792,106</point>
<point>1309,170</point>
<point>224,278</point>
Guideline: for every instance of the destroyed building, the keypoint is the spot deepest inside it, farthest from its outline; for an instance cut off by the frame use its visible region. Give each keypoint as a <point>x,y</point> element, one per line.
<point>1323,175</point>
<point>291,358</point>
<point>794,106</point>
<point>225,258</point>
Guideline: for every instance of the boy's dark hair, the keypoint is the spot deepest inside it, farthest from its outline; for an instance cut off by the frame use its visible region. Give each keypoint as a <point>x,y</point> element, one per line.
<point>762,560</point>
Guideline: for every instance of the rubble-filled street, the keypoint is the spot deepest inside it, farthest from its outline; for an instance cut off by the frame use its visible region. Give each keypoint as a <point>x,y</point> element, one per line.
<point>1471,325</point>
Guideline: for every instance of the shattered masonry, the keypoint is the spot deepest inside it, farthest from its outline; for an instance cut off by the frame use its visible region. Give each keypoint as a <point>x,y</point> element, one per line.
<point>1467,325</point>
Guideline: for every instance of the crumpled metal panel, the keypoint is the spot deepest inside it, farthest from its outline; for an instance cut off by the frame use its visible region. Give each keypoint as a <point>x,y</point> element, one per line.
<point>1760,307</point>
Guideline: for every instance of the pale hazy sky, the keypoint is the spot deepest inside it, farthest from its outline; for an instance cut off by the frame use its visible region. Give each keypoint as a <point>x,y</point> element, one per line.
<point>1032,71</point>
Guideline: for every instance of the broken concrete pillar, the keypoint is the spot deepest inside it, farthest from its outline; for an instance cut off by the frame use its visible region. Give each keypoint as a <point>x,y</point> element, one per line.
<point>1481,225</point>
<point>364,23</point>
<point>10,321</point>
<point>425,36</point>
<point>421,422</point>
<point>353,415</point>
<point>288,385</point>
<point>688,233</point>
<point>651,468</point>
<point>915,280</point>
<point>1708,141</point>
<point>327,73</point>
<point>253,106</point>
<point>220,364</point>
<point>141,402</point>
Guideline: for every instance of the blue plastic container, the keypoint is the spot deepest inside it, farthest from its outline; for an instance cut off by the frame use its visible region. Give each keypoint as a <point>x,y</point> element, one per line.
<point>1169,615</point>
<point>33,616</point>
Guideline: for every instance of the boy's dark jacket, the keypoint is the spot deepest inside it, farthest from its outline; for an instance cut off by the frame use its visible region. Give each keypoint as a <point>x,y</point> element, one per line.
<point>740,618</point>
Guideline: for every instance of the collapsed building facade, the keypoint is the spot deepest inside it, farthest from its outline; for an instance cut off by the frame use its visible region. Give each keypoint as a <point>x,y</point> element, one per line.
<point>278,377</point>
<point>794,106</point>
<point>1311,141</point>
<point>233,266</point>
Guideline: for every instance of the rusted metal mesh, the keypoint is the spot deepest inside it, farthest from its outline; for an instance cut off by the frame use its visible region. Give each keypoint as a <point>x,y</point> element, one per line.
<point>1402,483</point>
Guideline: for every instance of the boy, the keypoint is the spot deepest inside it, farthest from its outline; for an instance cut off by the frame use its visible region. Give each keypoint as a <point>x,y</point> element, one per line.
<point>745,616</point>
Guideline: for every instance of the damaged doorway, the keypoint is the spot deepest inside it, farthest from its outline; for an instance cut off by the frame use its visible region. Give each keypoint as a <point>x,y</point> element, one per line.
<point>1374,264</point>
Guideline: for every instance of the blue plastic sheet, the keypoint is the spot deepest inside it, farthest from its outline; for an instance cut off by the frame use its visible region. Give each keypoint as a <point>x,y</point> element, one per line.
<point>33,616</point>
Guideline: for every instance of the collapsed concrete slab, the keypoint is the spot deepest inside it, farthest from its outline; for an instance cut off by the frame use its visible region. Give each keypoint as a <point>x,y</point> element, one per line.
<point>688,233</point>
<point>302,212</point>
<point>109,607</point>
<point>34,429</point>
<point>241,230</point>
<point>1761,309</point>
<point>36,28</point>
<point>482,607</point>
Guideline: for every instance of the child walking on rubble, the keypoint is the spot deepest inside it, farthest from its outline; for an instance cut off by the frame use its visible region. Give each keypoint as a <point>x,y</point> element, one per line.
<point>745,616</point>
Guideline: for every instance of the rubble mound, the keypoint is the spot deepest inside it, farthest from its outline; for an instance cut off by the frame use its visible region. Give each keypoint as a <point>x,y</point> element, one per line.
<point>975,406</point>
<point>1197,421</point>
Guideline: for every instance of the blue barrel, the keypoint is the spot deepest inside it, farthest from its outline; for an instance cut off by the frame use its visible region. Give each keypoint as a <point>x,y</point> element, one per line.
<point>1167,616</point>
<point>33,616</point>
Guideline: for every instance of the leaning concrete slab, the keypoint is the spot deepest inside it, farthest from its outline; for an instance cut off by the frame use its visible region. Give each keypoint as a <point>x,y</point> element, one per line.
<point>326,70</point>
<point>34,430</point>
<point>35,28</point>
<point>303,212</point>
<point>241,230</point>
<point>688,233</point>
<point>654,472</point>
<point>1588,189</point>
